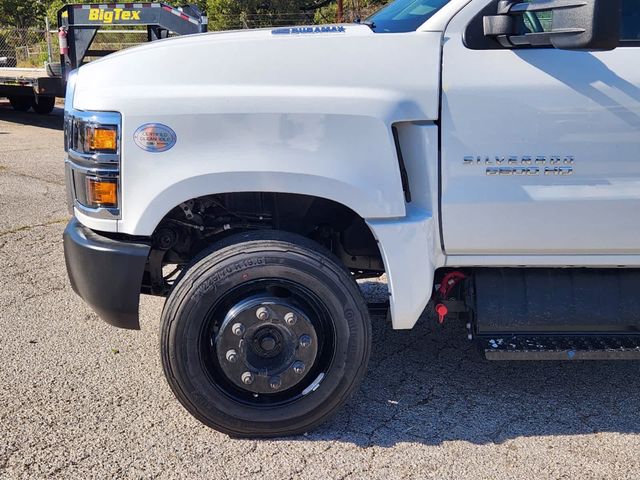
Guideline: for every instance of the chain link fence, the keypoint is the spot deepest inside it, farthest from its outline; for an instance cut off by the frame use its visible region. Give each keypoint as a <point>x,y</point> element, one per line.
<point>22,47</point>
<point>32,47</point>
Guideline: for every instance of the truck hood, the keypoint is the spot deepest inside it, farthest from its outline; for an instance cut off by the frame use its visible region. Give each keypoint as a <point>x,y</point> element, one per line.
<point>311,69</point>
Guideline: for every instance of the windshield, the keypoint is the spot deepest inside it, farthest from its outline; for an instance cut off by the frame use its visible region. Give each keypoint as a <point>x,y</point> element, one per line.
<point>404,15</point>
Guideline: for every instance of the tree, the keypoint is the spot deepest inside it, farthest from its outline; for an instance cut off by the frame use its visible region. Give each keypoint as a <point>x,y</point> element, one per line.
<point>23,13</point>
<point>353,10</point>
<point>235,14</point>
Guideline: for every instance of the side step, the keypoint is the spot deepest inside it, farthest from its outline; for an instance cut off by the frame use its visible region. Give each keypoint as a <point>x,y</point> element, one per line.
<point>561,347</point>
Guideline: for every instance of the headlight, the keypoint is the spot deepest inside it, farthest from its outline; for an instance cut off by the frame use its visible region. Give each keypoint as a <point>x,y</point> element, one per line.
<point>101,138</point>
<point>92,141</point>
<point>89,135</point>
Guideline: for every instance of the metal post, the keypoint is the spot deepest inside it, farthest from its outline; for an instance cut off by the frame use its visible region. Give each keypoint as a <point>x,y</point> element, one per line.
<point>340,13</point>
<point>47,36</point>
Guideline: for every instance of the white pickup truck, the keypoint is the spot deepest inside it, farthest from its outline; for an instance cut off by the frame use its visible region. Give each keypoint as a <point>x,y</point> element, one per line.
<point>483,154</point>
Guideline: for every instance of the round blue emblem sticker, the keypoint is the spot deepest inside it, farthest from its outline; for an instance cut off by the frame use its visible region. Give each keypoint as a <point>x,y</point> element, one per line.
<point>154,137</point>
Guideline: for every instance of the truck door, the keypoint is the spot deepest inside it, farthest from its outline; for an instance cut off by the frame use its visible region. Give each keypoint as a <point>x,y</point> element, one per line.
<point>540,147</point>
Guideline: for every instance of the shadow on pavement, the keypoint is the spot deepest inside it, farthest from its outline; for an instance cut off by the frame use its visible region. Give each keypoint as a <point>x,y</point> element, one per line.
<point>54,120</point>
<point>431,385</point>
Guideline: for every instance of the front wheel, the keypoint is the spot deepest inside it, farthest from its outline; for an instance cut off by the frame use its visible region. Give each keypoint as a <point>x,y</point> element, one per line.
<point>266,336</point>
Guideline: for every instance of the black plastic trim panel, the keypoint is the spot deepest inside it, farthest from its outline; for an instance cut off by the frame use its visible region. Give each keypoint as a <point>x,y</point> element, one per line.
<point>404,177</point>
<point>534,301</point>
<point>106,273</point>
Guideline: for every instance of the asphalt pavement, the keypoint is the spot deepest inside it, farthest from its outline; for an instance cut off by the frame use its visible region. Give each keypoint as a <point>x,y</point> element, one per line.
<point>81,399</point>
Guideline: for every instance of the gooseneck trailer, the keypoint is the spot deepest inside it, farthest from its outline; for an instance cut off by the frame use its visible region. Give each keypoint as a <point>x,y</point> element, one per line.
<point>78,25</point>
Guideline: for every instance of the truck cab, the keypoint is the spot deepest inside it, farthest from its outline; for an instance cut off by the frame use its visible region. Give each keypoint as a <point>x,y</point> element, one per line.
<point>481,154</point>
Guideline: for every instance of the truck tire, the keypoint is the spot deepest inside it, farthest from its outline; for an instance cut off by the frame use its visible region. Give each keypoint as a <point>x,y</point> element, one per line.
<point>266,335</point>
<point>20,103</point>
<point>43,105</point>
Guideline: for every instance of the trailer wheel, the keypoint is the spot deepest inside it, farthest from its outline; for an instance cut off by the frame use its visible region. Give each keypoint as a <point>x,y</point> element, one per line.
<point>267,335</point>
<point>20,103</point>
<point>43,105</point>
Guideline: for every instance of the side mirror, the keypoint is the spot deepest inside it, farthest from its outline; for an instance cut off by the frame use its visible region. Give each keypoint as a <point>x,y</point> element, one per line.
<point>570,24</point>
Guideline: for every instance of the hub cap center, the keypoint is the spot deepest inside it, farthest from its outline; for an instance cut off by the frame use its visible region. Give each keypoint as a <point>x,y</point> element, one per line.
<point>268,343</point>
<point>261,350</point>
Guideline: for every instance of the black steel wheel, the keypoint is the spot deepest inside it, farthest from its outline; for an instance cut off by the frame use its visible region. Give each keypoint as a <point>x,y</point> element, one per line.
<point>21,103</point>
<point>43,105</point>
<point>267,335</point>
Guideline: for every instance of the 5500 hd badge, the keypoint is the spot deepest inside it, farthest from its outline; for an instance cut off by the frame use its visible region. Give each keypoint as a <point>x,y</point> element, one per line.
<point>527,165</point>
<point>105,15</point>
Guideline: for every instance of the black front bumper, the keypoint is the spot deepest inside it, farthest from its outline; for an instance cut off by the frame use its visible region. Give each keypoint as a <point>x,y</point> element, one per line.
<point>106,273</point>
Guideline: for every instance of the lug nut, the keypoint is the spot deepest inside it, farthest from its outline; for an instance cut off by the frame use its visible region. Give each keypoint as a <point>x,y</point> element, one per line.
<point>298,367</point>
<point>232,356</point>
<point>275,383</point>
<point>305,341</point>
<point>290,318</point>
<point>247,378</point>
<point>262,313</point>
<point>238,329</point>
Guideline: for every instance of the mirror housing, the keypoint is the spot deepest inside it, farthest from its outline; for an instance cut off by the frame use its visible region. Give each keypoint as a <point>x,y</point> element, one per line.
<point>575,24</point>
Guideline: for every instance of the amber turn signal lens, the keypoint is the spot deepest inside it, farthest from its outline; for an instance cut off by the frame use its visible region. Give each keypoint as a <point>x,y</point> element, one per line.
<point>101,139</point>
<point>102,193</point>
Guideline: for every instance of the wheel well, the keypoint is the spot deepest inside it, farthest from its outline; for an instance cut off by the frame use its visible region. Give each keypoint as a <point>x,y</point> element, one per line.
<point>194,225</point>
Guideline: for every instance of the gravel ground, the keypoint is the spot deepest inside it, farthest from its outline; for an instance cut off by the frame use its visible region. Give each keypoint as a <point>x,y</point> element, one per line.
<point>80,399</point>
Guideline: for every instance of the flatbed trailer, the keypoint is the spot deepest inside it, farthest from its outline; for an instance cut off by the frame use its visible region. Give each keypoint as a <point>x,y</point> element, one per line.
<point>78,24</point>
<point>29,88</point>
<point>43,81</point>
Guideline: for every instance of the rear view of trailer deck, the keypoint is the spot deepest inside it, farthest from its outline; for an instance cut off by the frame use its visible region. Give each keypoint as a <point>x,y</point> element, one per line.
<point>38,88</point>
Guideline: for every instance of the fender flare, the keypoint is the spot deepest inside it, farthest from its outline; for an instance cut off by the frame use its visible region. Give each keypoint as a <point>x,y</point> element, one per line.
<point>369,204</point>
<point>406,245</point>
